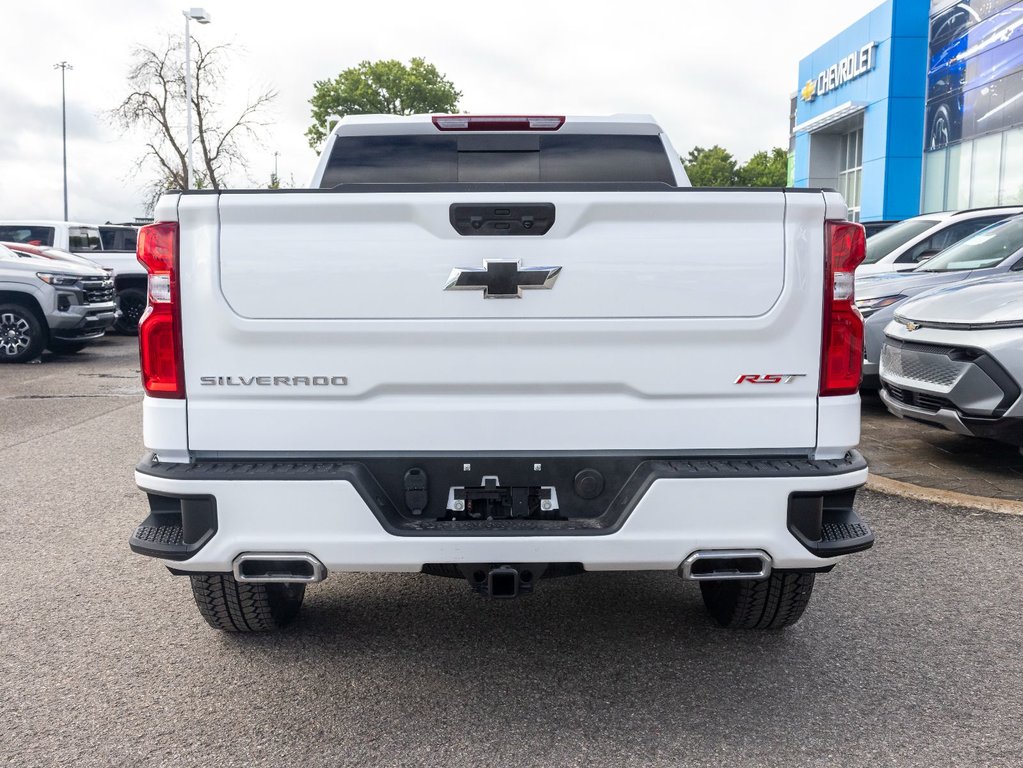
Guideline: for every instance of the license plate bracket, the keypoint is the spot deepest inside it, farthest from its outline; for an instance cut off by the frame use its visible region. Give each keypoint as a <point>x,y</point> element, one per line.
<point>493,501</point>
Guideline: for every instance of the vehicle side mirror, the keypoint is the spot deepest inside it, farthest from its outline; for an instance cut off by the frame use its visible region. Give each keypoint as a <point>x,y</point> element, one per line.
<point>925,255</point>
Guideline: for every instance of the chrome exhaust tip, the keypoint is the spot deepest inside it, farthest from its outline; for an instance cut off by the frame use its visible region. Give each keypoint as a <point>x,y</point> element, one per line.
<point>726,565</point>
<point>278,567</point>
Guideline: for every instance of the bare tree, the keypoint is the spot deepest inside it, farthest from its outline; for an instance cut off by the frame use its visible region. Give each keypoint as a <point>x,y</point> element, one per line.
<point>155,106</point>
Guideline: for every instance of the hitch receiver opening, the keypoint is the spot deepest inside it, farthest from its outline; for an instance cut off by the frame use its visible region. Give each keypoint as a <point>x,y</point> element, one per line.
<point>503,582</point>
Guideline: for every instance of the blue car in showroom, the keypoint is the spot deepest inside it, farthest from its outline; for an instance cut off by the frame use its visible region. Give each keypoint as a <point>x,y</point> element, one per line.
<point>994,250</point>
<point>974,79</point>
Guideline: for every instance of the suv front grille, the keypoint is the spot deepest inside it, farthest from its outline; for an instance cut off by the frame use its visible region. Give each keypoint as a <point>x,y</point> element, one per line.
<point>98,291</point>
<point>920,400</point>
<point>921,365</point>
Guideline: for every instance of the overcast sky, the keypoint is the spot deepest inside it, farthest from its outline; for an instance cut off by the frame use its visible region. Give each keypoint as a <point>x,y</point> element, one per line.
<point>718,72</point>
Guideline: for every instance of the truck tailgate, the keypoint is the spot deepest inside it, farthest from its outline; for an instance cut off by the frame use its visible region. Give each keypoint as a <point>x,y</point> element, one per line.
<point>382,257</point>
<point>663,301</point>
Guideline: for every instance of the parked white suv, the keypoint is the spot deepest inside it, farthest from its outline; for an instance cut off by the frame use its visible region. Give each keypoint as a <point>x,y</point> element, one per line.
<point>46,304</point>
<point>909,243</point>
<point>500,349</point>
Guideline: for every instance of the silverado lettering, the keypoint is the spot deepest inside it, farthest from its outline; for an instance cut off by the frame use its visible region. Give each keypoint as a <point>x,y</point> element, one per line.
<point>273,381</point>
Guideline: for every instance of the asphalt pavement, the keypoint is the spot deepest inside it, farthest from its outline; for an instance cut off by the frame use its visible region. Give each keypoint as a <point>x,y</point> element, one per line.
<point>931,457</point>
<point>908,655</point>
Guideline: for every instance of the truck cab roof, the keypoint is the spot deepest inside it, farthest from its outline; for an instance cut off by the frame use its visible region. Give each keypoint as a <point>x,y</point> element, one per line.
<point>357,125</point>
<point>393,149</point>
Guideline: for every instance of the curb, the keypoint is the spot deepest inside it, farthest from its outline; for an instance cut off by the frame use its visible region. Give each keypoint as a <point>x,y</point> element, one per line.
<point>936,496</point>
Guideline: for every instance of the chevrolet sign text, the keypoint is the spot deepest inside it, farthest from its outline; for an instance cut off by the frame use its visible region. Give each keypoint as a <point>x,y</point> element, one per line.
<point>852,66</point>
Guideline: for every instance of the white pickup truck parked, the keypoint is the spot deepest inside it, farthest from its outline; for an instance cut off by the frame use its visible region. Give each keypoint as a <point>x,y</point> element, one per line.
<point>500,349</point>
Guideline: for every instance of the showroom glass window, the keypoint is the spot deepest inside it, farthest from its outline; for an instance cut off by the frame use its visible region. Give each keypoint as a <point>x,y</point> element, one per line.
<point>850,172</point>
<point>974,112</point>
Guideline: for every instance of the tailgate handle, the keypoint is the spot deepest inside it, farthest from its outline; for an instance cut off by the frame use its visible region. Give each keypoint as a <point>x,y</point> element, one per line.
<point>502,219</point>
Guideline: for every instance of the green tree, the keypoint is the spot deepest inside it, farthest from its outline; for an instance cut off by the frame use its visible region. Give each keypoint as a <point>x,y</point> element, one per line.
<point>380,88</point>
<point>714,167</point>
<point>765,169</point>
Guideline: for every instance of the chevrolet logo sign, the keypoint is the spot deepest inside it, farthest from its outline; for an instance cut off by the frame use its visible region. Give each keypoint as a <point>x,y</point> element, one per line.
<point>502,279</point>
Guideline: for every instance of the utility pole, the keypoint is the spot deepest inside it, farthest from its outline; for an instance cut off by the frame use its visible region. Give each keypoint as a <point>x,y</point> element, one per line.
<point>200,15</point>
<point>63,67</point>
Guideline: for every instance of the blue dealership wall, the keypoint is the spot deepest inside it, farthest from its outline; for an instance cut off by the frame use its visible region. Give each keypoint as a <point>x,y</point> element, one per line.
<point>894,93</point>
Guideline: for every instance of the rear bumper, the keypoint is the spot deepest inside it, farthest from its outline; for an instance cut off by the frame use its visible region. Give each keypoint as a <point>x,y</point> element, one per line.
<point>667,510</point>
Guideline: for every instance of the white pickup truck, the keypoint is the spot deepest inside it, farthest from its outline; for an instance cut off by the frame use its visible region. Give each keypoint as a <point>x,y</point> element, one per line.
<point>500,349</point>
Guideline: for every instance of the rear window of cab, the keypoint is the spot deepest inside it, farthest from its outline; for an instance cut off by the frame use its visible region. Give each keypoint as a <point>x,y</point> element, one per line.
<point>497,158</point>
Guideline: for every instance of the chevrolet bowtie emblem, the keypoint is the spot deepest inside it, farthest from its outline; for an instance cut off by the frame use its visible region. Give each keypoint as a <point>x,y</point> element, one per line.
<point>501,279</point>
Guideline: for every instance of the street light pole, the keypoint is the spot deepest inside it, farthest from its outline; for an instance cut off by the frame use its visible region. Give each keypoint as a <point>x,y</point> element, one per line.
<point>203,18</point>
<point>63,67</point>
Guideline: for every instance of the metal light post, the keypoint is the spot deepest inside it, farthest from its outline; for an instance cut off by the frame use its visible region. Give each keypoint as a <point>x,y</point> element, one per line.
<point>203,18</point>
<point>63,67</point>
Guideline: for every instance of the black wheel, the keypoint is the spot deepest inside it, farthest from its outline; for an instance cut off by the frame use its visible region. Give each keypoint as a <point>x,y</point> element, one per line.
<point>132,303</point>
<point>66,347</point>
<point>234,606</point>
<point>22,335</point>
<point>772,603</point>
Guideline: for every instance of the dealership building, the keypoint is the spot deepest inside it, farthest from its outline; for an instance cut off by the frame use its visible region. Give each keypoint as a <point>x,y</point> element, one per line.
<point>916,107</point>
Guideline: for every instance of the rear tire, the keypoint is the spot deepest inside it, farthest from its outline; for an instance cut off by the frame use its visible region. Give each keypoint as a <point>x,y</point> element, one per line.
<point>772,603</point>
<point>22,335</point>
<point>233,606</point>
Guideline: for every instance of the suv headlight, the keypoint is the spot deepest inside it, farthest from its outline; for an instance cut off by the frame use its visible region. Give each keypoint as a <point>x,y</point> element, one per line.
<point>867,307</point>
<point>53,278</point>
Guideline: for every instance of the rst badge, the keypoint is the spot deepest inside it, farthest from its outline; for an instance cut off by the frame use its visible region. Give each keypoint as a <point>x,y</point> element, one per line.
<point>769,378</point>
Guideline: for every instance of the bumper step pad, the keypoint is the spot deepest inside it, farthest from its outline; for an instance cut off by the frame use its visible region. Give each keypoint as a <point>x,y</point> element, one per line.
<point>176,528</point>
<point>844,532</point>
<point>827,525</point>
<point>158,538</point>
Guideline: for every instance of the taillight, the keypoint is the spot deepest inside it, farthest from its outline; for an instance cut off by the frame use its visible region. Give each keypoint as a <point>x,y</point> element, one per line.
<point>160,350</point>
<point>497,122</point>
<point>842,353</point>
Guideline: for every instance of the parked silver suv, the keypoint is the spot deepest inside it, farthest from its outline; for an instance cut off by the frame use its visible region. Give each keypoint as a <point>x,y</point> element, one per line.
<point>954,358</point>
<point>47,304</point>
<point>994,250</point>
